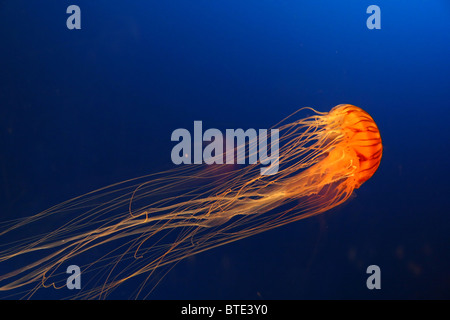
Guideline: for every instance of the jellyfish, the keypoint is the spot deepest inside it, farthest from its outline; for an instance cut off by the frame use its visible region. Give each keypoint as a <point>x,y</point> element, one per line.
<point>144,226</point>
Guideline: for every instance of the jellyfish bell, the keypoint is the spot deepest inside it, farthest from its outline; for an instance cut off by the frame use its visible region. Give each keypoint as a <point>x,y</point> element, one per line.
<point>344,149</point>
<point>363,140</point>
<point>155,221</point>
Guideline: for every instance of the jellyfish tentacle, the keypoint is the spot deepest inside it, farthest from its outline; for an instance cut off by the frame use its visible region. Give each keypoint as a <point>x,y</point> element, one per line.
<point>166,217</point>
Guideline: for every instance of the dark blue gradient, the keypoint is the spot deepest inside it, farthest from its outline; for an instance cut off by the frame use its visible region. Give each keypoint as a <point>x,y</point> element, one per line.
<point>82,109</point>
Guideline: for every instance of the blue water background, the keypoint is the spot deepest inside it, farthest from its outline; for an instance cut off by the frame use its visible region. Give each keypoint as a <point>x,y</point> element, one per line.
<point>81,109</point>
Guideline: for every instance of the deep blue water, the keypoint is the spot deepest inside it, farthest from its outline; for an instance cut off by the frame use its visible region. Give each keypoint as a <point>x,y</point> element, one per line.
<point>82,109</point>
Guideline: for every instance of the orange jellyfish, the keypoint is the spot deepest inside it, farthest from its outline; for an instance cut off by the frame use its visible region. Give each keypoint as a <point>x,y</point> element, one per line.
<point>144,225</point>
